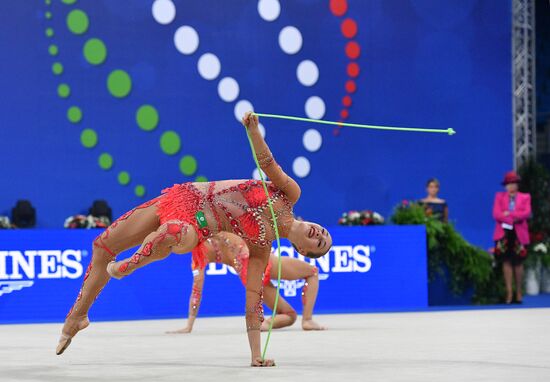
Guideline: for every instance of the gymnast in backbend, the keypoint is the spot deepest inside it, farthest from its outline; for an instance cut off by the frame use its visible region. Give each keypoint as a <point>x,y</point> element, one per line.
<point>185,216</point>
<point>230,249</point>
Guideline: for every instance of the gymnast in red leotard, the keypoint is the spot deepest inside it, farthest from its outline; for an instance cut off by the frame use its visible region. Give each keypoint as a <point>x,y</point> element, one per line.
<point>230,249</point>
<point>185,216</point>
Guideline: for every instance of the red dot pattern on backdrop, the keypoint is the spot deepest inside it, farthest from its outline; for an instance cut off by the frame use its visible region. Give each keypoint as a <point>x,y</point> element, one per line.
<point>353,69</point>
<point>346,101</point>
<point>352,49</point>
<point>338,7</point>
<point>351,87</point>
<point>349,28</point>
<point>336,132</point>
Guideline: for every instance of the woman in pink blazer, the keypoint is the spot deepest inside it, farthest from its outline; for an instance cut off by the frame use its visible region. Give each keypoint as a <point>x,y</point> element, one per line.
<point>511,211</point>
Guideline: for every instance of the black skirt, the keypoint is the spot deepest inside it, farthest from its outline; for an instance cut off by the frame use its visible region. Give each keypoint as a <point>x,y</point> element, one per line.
<point>510,249</point>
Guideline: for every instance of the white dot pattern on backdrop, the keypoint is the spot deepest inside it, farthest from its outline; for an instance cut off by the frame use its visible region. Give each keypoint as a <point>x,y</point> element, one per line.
<point>209,66</point>
<point>256,174</point>
<point>228,89</point>
<point>262,129</point>
<point>242,107</point>
<point>315,107</point>
<point>301,167</point>
<point>186,40</point>
<point>312,140</point>
<point>307,73</point>
<point>290,40</point>
<point>269,10</point>
<point>164,11</point>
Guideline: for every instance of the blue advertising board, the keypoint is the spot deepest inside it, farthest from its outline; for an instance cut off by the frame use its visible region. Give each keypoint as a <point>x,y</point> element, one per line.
<point>368,268</point>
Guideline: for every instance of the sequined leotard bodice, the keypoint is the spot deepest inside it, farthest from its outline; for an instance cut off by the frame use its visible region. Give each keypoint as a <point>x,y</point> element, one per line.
<point>236,206</point>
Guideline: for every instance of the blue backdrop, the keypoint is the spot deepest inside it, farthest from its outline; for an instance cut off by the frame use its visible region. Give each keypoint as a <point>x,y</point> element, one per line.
<point>426,63</point>
<point>41,271</point>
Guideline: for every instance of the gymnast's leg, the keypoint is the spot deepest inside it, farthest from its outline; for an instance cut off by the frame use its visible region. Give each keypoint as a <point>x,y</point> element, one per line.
<point>286,315</point>
<point>157,246</point>
<point>294,269</point>
<point>126,232</point>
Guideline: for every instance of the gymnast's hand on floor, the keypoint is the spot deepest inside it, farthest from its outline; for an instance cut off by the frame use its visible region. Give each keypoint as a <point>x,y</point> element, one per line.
<point>257,362</point>
<point>185,330</point>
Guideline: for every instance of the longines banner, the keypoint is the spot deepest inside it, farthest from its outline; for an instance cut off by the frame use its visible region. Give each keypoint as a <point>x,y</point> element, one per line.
<point>368,268</point>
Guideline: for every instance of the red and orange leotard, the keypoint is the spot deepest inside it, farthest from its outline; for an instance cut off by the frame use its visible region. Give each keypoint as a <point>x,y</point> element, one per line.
<point>236,206</point>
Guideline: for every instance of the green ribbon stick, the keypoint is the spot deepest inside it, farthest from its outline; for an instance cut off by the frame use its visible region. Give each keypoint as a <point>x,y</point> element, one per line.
<point>374,127</point>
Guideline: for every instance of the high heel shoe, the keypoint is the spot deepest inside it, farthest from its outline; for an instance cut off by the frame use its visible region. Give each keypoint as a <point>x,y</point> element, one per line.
<point>517,301</point>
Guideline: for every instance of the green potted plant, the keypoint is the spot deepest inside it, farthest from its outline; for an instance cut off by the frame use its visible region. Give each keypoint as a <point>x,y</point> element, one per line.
<point>464,266</point>
<point>535,179</point>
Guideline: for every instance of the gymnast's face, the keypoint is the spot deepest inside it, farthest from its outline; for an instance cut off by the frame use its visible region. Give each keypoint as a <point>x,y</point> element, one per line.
<point>313,240</point>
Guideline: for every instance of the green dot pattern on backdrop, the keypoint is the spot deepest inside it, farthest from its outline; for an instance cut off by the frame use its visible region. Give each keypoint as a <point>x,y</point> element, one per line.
<point>95,51</point>
<point>139,190</point>
<point>147,117</point>
<point>48,2</point>
<point>170,142</point>
<point>48,15</point>
<point>123,178</point>
<point>77,21</point>
<point>53,50</point>
<point>201,179</point>
<point>188,165</point>
<point>88,138</point>
<point>119,83</point>
<point>57,68</point>
<point>105,161</point>
<point>49,32</point>
<point>74,114</point>
<point>69,2</point>
<point>63,90</point>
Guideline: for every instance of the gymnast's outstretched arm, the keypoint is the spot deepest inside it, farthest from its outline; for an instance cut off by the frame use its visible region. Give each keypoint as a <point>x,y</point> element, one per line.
<point>194,301</point>
<point>274,172</point>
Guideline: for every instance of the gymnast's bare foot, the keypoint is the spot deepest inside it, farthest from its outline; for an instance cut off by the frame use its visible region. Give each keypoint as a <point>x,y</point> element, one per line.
<point>257,362</point>
<point>71,327</point>
<point>185,330</point>
<point>113,270</point>
<point>312,325</point>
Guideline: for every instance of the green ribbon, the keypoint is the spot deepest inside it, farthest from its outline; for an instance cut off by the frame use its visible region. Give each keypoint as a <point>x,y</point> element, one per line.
<point>375,127</point>
<point>288,117</point>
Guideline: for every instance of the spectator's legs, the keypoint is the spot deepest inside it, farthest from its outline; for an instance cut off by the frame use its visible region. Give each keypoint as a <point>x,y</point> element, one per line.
<point>508,272</point>
<point>518,273</point>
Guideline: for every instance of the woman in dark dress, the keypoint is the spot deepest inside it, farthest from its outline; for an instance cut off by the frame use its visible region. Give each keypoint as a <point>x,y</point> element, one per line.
<point>433,204</point>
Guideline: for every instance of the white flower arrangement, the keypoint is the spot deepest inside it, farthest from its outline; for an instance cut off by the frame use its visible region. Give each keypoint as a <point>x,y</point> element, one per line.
<point>365,217</point>
<point>541,247</point>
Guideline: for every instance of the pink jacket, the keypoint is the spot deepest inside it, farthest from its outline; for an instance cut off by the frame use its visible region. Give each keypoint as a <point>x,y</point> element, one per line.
<point>518,217</point>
